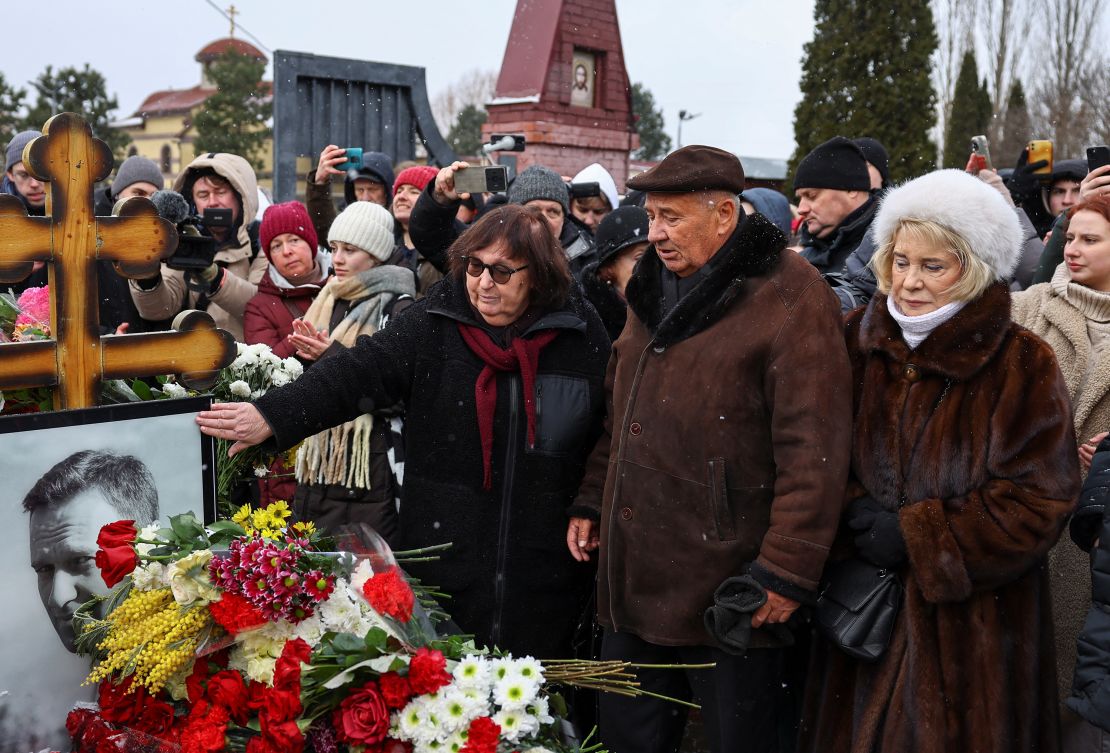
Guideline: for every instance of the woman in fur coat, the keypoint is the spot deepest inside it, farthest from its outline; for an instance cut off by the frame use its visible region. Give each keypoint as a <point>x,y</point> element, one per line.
<point>963,476</point>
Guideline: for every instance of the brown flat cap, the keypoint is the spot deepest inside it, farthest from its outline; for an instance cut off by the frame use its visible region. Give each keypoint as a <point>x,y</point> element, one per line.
<point>693,168</point>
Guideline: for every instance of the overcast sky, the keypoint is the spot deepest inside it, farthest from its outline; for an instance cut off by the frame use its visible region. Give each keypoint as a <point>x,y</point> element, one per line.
<point>737,62</point>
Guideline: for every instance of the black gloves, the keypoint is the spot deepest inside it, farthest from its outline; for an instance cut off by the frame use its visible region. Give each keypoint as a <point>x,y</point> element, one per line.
<point>1025,187</point>
<point>880,538</point>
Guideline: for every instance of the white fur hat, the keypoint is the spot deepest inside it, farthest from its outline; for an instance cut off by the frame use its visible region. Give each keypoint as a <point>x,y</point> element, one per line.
<point>962,203</point>
<point>367,226</point>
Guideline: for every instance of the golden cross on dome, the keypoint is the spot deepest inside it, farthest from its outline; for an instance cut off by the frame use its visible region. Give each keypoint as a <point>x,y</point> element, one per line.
<point>70,239</point>
<point>231,14</point>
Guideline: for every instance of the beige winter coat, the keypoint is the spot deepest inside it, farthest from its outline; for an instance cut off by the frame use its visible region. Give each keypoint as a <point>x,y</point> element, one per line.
<point>240,284</point>
<point>1063,326</point>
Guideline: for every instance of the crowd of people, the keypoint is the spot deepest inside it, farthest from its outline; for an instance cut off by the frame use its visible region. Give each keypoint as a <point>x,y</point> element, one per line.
<point>653,426</point>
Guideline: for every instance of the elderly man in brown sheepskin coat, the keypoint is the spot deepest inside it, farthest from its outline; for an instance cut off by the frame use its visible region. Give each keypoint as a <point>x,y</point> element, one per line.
<point>724,461</point>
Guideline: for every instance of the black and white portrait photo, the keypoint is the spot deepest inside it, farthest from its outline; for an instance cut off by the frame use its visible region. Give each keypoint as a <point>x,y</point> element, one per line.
<point>66,475</point>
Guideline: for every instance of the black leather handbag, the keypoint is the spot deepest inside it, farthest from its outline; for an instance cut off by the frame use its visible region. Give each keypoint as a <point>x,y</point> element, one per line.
<point>857,607</point>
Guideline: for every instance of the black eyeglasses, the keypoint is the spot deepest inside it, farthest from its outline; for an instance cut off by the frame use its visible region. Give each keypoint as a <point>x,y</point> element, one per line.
<point>499,273</point>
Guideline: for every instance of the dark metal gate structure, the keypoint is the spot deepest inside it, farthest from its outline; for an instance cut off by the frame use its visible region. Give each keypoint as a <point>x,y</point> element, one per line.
<point>321,100</point>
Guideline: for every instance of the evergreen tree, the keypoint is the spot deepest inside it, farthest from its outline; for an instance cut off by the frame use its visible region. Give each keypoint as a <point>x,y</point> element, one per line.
<point>80,91</point>
<point>1017,129</point>
<point>654,141</point>
<point>465,136</point>
<point>866,73</point>
<point>233,120</point>
<point>11,100</point>
<point>971,113</point>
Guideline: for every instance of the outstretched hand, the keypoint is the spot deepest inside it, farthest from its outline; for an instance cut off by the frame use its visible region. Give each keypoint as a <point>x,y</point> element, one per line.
<point>241,422</point>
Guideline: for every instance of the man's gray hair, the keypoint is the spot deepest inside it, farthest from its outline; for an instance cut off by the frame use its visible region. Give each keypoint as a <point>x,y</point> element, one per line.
<point>125,480</point>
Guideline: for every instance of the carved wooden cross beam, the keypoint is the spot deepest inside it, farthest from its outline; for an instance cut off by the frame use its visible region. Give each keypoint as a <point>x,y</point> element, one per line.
<point>71,240</point>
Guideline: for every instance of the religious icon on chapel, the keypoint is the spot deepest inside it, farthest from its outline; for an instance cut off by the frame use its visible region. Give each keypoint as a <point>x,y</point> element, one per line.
<point>583,79</point>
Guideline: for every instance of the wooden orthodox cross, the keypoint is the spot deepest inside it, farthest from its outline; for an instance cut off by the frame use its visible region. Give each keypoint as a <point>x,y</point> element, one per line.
<point>71,240</point>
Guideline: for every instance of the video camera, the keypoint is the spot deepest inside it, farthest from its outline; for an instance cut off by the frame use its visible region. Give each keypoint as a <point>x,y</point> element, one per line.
<point>196,248</point>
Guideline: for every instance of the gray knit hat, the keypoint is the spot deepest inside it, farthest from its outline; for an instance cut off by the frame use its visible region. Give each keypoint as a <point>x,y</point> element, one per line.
<point>539,182</point>
<point>15,147</point>
<point>136,169</point>
<point>367,226</point>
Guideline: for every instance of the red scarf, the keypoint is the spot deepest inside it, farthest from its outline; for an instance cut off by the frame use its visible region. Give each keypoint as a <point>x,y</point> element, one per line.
<point>523,356</point>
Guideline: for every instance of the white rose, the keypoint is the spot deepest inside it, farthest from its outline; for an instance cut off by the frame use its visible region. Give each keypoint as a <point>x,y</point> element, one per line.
<point>189,581</point>
<point>172,389</point>
<point>239,388</point>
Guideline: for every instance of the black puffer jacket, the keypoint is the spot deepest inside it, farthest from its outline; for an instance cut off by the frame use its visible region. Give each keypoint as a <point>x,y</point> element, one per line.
<point>612,309</point>
<point>1090,693</point>
<point>511,579</point>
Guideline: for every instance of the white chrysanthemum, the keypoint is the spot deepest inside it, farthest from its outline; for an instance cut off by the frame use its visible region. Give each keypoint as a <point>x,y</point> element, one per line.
<point>529,668</point>
<point>539,709</point>
<point>538,749</point>
<point>512,723</point>
<point>339,612</point>
<point>363,572</point>
<point>149,576</point>
<point>239,388</point>
<point>293,367</point>
<point>514,692</point>
<point>280,377</point>
<point>173,389</point>
<point>189,581</point>
<point>501,668</point>
<point>454,743</point>
<point>455,709</point>
<point>257,394</point>
<point>311,630</point>
<point>473,672</point>
<point>416,724</point>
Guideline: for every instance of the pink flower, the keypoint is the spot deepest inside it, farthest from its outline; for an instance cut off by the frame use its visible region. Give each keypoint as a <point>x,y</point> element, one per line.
<point>34,303</point>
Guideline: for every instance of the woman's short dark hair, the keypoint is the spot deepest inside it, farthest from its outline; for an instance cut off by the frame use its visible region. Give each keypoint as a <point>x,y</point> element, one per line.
<point>528,237</point>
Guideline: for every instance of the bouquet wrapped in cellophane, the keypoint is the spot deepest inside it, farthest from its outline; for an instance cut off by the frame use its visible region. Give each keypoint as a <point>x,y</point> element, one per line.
<point>248,635</point>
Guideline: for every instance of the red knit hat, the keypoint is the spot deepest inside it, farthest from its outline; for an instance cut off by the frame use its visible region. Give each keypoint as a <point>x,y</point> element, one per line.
<point>418,175</point>
<point>290,217</point>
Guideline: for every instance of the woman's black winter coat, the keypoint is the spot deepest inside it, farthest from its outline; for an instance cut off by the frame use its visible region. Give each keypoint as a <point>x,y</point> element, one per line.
<point>1090,692</point>
<point>511,579</point>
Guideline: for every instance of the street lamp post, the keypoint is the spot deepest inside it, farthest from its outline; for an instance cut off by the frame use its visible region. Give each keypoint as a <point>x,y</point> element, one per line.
<point>683,115</point>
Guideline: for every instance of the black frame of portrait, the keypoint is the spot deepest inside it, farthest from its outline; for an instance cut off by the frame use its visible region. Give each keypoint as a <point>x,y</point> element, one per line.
<point>127,412</point>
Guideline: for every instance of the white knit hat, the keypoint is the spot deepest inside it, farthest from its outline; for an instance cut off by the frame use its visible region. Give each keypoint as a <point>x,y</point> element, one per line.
<point>962,203</point>
<point>367,226</point>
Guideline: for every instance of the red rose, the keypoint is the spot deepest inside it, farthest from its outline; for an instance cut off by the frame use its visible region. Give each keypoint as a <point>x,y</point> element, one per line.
<point>389,594</point>
<point>117,705</point>
<point>482,737</point>
<point>281,704</point>
<point>154,718</point>
<point>116,557</point>
<point>228,690</point>
<point>362,718</point>
<point>120,533</point>
<point>395,690</point>
<point>428,672</point>
<point>287,670</point>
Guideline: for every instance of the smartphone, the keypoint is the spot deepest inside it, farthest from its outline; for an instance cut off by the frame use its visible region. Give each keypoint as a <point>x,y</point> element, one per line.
<point>354,159</point>
<point>479,179</point>
<point>1098,156</point>
<point>980,154</point>
<point>1040,150</point>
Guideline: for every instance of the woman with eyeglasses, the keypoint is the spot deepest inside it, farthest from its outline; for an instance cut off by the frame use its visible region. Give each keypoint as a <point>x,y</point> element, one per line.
<point>501,369</point>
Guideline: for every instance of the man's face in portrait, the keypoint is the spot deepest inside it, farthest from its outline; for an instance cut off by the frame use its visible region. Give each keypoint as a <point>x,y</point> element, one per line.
<point>63,553</point>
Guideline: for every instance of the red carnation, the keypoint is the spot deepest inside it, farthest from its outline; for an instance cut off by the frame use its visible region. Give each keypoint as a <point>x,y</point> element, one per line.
<point>282,704</point>
<point>283,736</point>
<point>116,557</point>
<point>205,729</point>
<point>86,728</point>
<point>428,671</point>
<point>117,704</point>
<point>389,594</point>
<point>482,737</point>
<point>362,718</point>
<point>395,690</point>
<point>287,670</point>
<point>228,690</point>
<point>235,614</point>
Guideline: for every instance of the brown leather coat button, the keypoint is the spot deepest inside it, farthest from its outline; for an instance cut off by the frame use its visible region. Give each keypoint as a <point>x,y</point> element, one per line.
<point>635,429</point>
<point>626,513</point>
<point>911,372</point>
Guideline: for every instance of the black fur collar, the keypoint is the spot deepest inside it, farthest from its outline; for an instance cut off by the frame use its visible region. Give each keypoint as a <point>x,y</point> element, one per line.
<point>752,250</point>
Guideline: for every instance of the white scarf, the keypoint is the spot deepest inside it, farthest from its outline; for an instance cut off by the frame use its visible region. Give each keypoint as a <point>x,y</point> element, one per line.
<point>916,328</point>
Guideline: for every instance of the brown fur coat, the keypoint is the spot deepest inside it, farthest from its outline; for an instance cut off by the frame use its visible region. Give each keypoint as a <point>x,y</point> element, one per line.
<point>971,432</point>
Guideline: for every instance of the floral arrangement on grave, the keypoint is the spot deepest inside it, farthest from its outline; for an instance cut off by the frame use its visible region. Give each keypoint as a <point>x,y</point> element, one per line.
<point>274,645</point>
<point>254,372</point>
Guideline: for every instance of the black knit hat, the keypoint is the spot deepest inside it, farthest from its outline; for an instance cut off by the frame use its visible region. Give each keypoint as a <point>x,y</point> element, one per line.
<point>837,164</point>
<point>875,153</point>
<point>621,228</point>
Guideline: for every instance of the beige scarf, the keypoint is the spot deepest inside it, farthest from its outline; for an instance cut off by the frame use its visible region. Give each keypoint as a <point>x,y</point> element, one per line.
<point>341,455</point>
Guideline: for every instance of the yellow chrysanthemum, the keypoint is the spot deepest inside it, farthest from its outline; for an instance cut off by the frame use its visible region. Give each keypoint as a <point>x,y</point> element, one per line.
<point>304,528</point>
<point>280,512</point>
